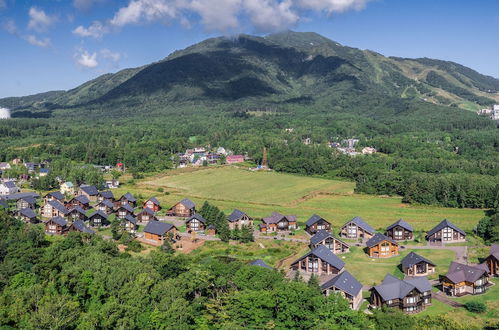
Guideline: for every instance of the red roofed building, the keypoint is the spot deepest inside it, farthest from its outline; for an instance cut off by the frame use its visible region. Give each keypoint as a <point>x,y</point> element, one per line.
<point>233,159</point>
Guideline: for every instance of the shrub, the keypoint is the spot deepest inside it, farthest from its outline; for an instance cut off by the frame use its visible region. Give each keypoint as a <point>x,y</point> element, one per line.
<point>160,190</point>
<point>475,306</point>
<point>134,246</point>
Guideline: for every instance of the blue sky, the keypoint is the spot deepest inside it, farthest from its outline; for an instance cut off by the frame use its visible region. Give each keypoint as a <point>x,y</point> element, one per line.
<point>59,44</point>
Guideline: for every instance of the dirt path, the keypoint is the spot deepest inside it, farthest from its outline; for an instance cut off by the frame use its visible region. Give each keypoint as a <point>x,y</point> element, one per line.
<point>442,297</point>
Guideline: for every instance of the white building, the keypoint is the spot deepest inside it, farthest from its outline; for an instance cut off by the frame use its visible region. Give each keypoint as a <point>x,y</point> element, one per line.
<point>8,188</point>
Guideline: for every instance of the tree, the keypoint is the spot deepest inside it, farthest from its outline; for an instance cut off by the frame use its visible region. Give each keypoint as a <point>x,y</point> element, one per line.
<point>115,174</point>
<point>117,228</point>
<point>475,306</point>
<point>246,234</point>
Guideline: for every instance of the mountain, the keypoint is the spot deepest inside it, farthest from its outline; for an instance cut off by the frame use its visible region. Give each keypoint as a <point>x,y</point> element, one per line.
<point>277,71</point>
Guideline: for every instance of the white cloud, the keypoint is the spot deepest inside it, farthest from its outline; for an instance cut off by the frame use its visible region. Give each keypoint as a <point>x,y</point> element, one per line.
<point>331,6</point>
<point>95,30</point>
<point>107,54</point>
<point>139,11</point>
<point>33,40</point>
<point>85,59</point>
<point>219,15</point>
<point>271,16</point>
<point>39,21</point>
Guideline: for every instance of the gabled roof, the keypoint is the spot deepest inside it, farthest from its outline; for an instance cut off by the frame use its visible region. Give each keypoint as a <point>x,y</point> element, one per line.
<point>187,203</point>
<point>236,215</point>
<point>89,190</point>
<point>344,282</point>
<point>277,217</point>
<point>260,263</point>
<point>198,217</point>
<point>325,254</point>
<point>129,197</point>
<point>106,194</point>
<point>313,219</point>
<point>378,238</point>
<point>20,195</point>
<point>99,213</point>
<point>10,184</point>
<point>402,223</point>
<point>413,259</point>
<point>322,235</point>
<point>80,226</point>
<point>127,207</point>
<point>494,251</point>
<point>148,211</point>
<point>58,206</point>
<point>56,194</point>
<point>28,213</point>
<point>131,218</point>
<point>420,282</point>
<point>394,288</point>
<point>154,200</point>
<point>29,199</point>
<point>82,199</point>
<point>158,228</point>
<point>445,223</point>
<point>460,272</point>
<point>59,221</point>
<point>78,209</point>
<point>362,224</point>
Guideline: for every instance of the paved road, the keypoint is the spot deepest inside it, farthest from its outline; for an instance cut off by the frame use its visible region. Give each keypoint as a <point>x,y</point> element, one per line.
<point>442,297</point>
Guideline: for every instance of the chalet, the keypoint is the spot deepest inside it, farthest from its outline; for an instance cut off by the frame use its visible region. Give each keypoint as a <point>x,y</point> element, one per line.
<point>415,265</point>
<point>130,223</point>
<point>9,188</point>
<point>445,232</point>
<point>411,295</point>
<point>98,219</point>
<point>56,226</point>
<point>79,226</point>
<point>55,195</point>
<point>400,231</point>
<point>126,199</point>
<point>346,285</point>
<point>260,263</point>
<point>316,223</point>
<point>319,261</point>
<point>381,246</point>
<point>211,230</point>
<point>54,208</point>
<point>185,208</point>
<point>234,159</point>
<point>27,202</point>
<point>357,229</point>
<point>335,245</point>
<point>77,213</point>
<point>112,184</point>
<point>90,191</point>
<point>464,279</point>
<point>238,219</point>
<point>27,215</point>
<point>105,195</point>
<point>81,201</point>
<point>159,231</point>
<point>146,215</point>
<point>195,223</point>
<point>67,188</point>
<point>4,166</point>
<point>105,206</point>
<point>153,204</point>
<point>492,261</point>
<point>278,222</point>
<point>124,210</point>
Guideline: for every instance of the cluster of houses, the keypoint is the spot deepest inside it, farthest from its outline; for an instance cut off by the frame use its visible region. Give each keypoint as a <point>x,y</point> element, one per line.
<point>492,112</point>
<point>198,156</point>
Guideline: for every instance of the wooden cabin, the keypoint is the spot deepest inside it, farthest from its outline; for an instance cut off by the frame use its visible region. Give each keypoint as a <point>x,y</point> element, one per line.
<point>79,226</point>
<point>211,230</point>
<point>238,219</point>
<point>124,210</point>
<point>27,202</point>
<point>105,206</point>
<point>316,223</point>
<point>54,208</point>
<point>381,246</point>
<point>492,260</point>
<point>105,195</point>
<point>195,223</point>
<point>400,231</point>
<point>126,199</point>
<point>146,215</point>
<point>415,265</point>
<point>335,245</point>
<point>411,295</point>
<point>346,285</point>
<point>446,232</point>
<point>159,231</point>
<point>98,219</point>
<point>81,201</point>
<point>130,223</point>
<point>55,195</point>
<point>56,226</point>
<point>464,279</point>
<point>357,228</point>
<point>27,215</point>
<point>90,192</point>
<point>184,209</point>
<point>153,204</point>
<point>77,213</point>
<point>319,261</point>
<point>278,222</point>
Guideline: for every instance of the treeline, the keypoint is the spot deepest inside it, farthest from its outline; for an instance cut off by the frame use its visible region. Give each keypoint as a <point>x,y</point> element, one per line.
<point>83,282</point>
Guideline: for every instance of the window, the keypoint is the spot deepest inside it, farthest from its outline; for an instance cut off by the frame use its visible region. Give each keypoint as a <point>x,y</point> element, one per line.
<point>398,233</point>
<point>329,242</point>
<point>479,282</point>
<point>411,300</point>
<point>313,264</point>
<point>352,230</point>
<point>389,302</point>
<point>385,247</point>
<point>426,300</point>
<point>194,225</point>
<point>410,309</point>
<point>324,266</point>
<point>447,234</point>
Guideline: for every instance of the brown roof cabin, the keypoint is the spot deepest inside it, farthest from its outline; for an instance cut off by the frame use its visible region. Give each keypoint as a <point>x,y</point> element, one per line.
<point>446,232</point>
<point>185,208</point>
<point>158,231</point>
<point>316,223</point>
<point>319,261</point>
<point>238,219</point>
<point>195,223</point>
<point>463,279</point>
<point>54,208</point>
<point>278,222</point>
<point>415,265</point>
<point>347,286</point>
<point>126,199</point>
<point>98,219</point>
<point>327,239</point>
<point>400,231</point>
<point>410,295</point>
<point>153,204</point>
<point>357,228</point>
<point>80,201</point>
<point>380,246</point>
<point>56,226</point>
<point>146,215</point>
<point>492,261</point>
<point>90,191</point>
<point>106,206</point>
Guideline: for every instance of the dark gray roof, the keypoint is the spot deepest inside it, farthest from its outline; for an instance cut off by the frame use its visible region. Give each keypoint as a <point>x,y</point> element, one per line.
<point>129,197</point>
<point>188,203</point>
<point>362,224</point>
<point>157,227</point>
<point>260,263</point>
<point>29,199</point>
<point>236,215</point>
<point>402,223</point>
<point>56,194</point>
<point>378,238</point>
<point>459,272</point>
<point>28,213</point>
<point>80,226</point>
<point>58,206</point>
<point>325,254</point>
<point>107,203</point>
<point>412,259</point>
<point>148,211</point>
<point>420,282</point>
<point>198,217</point>
<point>394,288</point>
<point>59,220</point>
<point>154,200</point>
<point>276,217</point>
<point>344,282</point>
<point>10,184</point>
<point>78,209</point>
<point>82,199</point>
<point>106,194</point>
<point>494,251</point>
<point>313,219</point>
<point>131,218</point>
<point>322,235</point>
<point>99,213</point>
<point>445,223</point>
<point>127,207</point>
<point>90,190</point>
<point>20,195</point>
